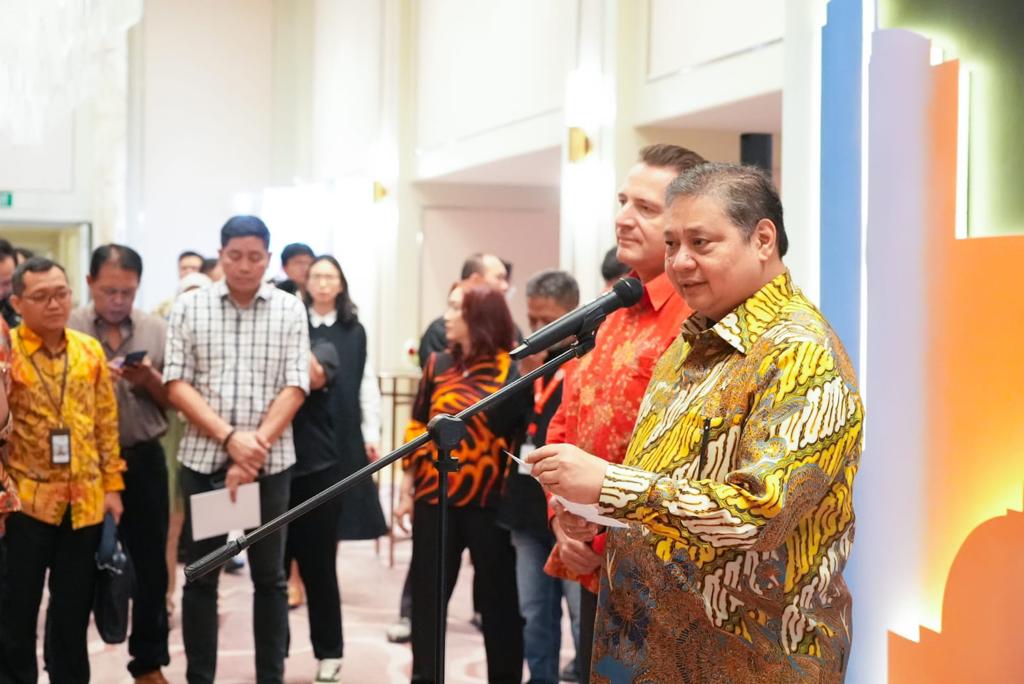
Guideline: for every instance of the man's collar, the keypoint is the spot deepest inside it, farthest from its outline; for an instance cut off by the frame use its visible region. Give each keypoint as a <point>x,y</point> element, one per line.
<point>30,340</point>
<point>97,320</point>
<point>744,325</point>
<point>657,291</point>
<point>266,291</point>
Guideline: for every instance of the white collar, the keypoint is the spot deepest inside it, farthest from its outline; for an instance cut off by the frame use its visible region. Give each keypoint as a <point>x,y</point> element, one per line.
<point>328,319</point>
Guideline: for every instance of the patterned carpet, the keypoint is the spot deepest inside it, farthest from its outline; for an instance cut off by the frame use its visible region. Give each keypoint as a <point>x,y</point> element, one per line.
<point>370,595</point>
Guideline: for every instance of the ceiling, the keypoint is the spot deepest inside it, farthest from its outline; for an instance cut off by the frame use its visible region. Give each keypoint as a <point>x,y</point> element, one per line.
<point>541,168</point>
<point>761,114</point>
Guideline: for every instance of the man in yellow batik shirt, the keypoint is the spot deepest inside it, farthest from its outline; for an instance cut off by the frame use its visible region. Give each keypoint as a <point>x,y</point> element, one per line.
<point>66,466</point>
<point>737,485</point>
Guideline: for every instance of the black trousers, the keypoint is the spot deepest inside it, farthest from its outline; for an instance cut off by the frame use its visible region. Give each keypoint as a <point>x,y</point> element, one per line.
<point>313,543</point>
<point>270,588</point>
<point>494,563</point>
<point>143,532</point>
<point>33,547</point>
<point>588,613</point>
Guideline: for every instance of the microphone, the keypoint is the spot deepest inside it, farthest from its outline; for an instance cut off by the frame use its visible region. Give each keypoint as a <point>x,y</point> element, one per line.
<point>583,320</point>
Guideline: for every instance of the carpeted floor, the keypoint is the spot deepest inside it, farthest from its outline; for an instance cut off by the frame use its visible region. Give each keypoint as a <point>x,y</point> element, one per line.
<point>370,595</point>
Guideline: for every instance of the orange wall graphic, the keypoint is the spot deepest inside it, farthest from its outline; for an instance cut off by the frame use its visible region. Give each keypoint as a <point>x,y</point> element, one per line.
<point>973,548</point>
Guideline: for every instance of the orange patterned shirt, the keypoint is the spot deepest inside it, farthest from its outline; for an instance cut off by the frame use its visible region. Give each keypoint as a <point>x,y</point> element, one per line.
<point>8,496</point>
<point>449,388</point>
<point>89,411</point>
<point>600,403</point>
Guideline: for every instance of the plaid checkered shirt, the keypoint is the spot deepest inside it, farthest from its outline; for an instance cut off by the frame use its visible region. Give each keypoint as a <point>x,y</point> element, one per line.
<point>239,360</point>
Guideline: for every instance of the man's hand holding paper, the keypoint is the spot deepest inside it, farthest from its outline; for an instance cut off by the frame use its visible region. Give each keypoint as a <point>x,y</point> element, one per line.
<point>569,472</point>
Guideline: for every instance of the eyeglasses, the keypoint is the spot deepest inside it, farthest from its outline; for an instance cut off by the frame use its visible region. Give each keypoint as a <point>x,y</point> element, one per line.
<point>111,292</point>
<point>45,298</point>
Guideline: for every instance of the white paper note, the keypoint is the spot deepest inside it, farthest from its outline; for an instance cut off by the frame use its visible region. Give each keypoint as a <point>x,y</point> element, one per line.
<point>524,467</point>
<point>588,512</point>
<point>214,513</point>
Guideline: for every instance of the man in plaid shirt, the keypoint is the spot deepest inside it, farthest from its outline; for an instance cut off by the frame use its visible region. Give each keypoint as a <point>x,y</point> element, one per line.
<point>237,367</point>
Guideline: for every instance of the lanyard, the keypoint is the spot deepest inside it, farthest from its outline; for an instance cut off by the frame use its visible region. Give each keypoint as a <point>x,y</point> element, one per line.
<point>57,405</point>
<point>541,397</point>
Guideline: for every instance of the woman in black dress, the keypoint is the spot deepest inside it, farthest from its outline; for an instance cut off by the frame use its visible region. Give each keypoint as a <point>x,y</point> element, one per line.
<point>329,445</point>
<point>353,393</point>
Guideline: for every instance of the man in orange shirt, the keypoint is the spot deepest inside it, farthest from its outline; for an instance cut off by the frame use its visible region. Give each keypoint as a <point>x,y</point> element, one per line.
<point>65,460</point>
<point>600,403</point>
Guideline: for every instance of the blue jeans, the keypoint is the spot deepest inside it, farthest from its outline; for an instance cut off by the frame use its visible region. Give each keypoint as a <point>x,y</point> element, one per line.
<point>540,602</point>
<point>270,594</point>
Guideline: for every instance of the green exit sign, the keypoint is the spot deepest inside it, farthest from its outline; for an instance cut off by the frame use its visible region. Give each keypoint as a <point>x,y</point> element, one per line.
<point>6,199</point>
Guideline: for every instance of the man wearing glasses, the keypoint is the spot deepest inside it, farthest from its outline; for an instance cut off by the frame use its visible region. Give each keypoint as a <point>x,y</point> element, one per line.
<point>65,461</point>
<point>133,342</point>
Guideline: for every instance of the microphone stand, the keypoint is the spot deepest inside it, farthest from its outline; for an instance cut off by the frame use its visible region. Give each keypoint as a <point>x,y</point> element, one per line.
<point>446,432</point>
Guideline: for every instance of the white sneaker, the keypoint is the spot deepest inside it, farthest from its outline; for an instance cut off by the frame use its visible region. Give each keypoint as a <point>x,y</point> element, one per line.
<point>400,632</point>
<point>329,670</point>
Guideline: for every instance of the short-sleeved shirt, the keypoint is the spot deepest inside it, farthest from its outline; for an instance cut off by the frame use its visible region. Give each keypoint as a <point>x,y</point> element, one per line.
<point>239,360</point>
<point>140,418</point>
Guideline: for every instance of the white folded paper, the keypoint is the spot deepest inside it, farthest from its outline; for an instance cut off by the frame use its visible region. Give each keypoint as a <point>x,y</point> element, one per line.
<point>214,513</point>
<point>588,512</point>
<point>524,467</point>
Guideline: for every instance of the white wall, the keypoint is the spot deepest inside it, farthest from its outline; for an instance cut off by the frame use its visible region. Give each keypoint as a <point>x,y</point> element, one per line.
<point>206,127</point>
<point>51,180</point>
<point>520,225</point>
<point>347,85</point>
<point>490,79</point>
<point>696,55</point>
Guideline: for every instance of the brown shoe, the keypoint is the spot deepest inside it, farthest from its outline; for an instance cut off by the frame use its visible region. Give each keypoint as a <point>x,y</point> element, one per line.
<point>154,677</point>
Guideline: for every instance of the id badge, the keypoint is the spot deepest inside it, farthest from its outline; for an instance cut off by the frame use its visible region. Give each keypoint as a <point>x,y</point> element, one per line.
<point>60,446</point>
<point>525,450</point>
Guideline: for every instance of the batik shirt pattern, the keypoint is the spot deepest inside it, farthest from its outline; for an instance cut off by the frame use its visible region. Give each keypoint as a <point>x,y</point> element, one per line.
<point>89,412</point>
<point>738,484</point>
<point>8,490</point>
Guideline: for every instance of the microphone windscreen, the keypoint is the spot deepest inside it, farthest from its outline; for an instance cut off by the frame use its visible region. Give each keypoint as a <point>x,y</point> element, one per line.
<point>629,290</point>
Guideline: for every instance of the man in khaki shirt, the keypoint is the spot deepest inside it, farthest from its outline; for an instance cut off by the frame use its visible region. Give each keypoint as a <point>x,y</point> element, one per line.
<point>133,342</point>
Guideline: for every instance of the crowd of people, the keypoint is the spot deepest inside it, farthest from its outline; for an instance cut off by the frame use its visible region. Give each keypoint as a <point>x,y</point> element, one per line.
<point>717,420</point>
<point>116,412</point>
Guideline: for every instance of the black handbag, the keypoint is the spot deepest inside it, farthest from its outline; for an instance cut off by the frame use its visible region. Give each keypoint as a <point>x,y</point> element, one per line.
<point>113,585</point>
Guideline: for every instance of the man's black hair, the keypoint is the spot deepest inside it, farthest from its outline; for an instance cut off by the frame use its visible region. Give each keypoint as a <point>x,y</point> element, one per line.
<point>122,256</point>
<point>244,226</point>
<point>32,265</point>
<point>294,250</point>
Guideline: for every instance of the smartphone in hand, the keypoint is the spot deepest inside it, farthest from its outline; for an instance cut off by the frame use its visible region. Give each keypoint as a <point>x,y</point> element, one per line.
<point>134,358</point>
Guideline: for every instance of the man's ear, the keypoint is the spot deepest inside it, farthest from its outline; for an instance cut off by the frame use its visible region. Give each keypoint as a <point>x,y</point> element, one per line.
<point>16,303</point>
<point>765,238</point>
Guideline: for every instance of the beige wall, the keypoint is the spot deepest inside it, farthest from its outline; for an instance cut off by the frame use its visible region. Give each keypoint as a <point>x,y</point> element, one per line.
<point>206,127</point>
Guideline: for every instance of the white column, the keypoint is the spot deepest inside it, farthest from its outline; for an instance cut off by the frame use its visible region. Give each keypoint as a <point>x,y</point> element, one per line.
<point>588,186</point>
<point>801,141</point>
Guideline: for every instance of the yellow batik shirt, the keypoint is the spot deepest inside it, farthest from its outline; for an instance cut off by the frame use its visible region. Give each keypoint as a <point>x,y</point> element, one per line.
<point>89,412</point>
<point>738,486</point>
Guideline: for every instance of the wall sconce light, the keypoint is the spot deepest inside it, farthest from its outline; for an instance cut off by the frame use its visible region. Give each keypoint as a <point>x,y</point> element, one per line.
<point>379,191</point>
<point>579,144</point>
